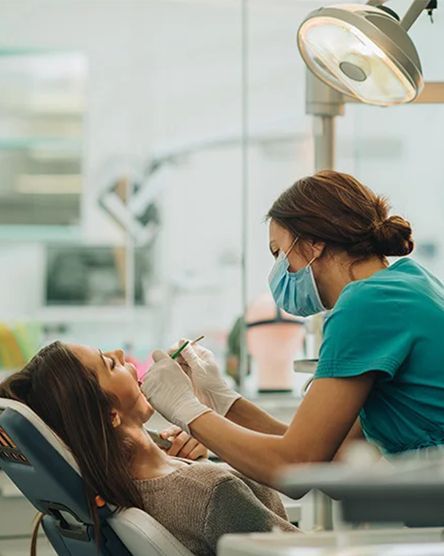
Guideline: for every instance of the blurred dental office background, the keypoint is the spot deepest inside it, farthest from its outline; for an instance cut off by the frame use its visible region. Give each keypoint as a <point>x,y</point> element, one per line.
<point>141,145</point>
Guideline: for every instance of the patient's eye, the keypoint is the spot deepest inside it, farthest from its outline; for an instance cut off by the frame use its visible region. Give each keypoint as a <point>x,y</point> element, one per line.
<point>113,362</point>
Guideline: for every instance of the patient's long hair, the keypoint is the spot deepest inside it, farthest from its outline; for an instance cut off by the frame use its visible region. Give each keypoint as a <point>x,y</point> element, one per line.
<point>68,397</point>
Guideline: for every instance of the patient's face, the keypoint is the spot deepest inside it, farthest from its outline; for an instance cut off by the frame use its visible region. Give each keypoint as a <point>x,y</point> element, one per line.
<point>117,377</point>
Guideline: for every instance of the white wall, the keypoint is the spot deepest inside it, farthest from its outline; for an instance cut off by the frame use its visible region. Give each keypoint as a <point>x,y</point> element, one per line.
<point>164,75</point>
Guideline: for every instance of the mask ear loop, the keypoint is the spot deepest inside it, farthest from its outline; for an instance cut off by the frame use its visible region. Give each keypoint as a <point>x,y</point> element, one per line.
<point>317,295</point>
<point>291,246</point>
<point>312,261</point>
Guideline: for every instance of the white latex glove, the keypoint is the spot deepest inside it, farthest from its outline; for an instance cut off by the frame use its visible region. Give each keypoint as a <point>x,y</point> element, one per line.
<point>170,392</point>
<point>209,385</point>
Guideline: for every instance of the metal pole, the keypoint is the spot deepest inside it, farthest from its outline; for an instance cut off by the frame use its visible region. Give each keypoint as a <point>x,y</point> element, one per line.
<point>243,364</point>
<point>324,139</point>
<point>324,103</point>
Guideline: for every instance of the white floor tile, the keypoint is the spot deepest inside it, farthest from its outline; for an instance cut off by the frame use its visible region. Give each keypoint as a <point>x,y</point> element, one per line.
<point>20,547</point>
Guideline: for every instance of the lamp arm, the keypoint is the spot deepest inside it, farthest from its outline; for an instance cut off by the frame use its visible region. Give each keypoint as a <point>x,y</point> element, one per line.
<point>412,14</point>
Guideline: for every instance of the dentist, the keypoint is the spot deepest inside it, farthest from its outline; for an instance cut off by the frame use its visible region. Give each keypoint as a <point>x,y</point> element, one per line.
<point>381,366</point>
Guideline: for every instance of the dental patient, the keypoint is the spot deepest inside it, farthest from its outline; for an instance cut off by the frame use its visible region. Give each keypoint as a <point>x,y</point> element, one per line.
<point>92,400</point>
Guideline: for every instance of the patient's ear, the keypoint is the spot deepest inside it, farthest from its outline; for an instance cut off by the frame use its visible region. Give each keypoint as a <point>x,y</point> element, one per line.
<point>115,418</point>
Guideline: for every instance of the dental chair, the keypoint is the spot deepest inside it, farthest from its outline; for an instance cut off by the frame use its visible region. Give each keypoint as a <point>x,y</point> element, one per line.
<point>45,471</point>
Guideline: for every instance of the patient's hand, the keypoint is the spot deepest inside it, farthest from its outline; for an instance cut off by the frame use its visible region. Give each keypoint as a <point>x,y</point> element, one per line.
<point>184,445</point>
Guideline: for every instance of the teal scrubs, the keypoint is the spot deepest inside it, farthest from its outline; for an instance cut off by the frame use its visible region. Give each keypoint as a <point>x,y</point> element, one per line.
<point>392,322</point>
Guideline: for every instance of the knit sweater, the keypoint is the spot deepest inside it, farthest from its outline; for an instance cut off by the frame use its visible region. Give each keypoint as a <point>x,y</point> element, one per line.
<point>203,501</point>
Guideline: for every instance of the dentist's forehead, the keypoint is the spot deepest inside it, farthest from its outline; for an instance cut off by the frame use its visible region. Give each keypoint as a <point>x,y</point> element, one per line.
<point>278,234</point>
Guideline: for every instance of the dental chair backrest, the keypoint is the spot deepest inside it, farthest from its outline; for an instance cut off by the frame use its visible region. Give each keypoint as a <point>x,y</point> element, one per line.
<point>45,471</point>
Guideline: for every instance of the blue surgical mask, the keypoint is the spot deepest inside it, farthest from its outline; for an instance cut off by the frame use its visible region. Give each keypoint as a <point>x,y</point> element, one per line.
<point>294,292</point>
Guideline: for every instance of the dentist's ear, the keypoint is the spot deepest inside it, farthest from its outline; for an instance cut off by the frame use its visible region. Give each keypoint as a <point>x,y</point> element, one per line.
<point>318,248</point>
<point>115,418</point>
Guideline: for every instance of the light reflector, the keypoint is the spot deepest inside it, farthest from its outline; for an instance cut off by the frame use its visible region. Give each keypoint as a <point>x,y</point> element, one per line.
<point>346,47</point>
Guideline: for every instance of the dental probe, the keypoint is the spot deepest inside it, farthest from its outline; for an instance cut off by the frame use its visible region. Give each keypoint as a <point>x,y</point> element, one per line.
<point>197,340</point>
<point>184,345</point>
<point>179,351</point>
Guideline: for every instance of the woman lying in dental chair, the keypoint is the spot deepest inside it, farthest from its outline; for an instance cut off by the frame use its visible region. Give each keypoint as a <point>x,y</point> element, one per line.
<point>92,400</point>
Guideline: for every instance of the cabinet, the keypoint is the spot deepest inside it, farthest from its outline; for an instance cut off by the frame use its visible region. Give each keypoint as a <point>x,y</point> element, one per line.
<point>42,106</point>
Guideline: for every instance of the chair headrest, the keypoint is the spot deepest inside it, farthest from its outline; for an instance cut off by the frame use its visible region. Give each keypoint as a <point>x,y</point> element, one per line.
<point>48,434</point>
<point>39,463</point>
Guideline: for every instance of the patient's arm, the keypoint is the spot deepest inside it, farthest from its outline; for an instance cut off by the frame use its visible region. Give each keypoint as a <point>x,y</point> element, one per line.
<point>252,417</point>
<point>233,508</point>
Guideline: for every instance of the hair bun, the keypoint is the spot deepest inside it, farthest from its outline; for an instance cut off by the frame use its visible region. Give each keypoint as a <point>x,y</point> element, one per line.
<point>393,237</point>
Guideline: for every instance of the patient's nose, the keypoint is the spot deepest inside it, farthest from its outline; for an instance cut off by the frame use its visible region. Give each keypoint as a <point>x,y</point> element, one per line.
<point>120,355</point>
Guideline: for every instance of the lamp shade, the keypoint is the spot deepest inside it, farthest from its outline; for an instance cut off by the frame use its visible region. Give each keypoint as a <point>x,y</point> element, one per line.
<point>361,51</point>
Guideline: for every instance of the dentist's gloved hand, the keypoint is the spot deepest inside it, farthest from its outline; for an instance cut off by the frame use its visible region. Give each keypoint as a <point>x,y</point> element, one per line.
<point>170,392</point>
<point>209,385</point>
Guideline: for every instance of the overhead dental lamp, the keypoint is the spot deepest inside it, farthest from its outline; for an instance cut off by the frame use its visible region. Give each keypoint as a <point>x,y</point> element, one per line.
<point>364,51</point>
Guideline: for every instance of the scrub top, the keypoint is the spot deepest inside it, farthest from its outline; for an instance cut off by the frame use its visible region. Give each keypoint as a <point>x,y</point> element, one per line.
<point>392,322</point>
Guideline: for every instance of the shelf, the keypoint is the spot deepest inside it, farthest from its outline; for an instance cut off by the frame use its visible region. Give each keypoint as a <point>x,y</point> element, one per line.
<point>69,314</point>
<point>23,51</point>
<point>32,234</point>
<point>55,143</point>
<point>306,366</point>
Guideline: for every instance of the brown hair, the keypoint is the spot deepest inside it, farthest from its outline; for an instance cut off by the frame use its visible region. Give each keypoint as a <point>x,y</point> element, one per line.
<point>336,208</point>
<point>68,397</point>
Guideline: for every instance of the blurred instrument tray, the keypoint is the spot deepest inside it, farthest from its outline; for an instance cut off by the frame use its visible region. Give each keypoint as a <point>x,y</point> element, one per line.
<point>305,365</point>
